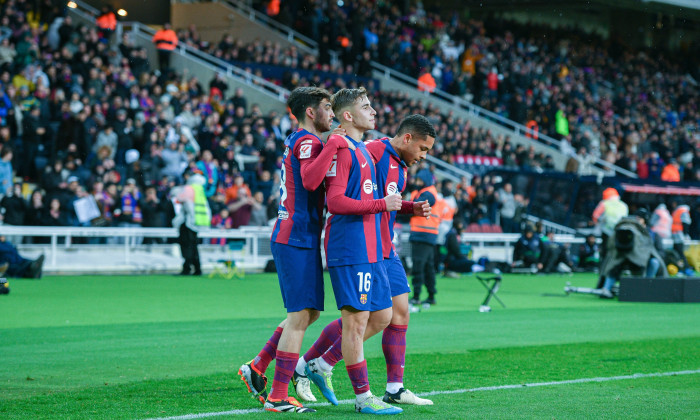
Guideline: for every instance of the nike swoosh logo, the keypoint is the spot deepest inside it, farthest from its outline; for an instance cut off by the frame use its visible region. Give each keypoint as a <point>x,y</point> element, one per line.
<point>401,366</point>
<point>364,164</point>
<point>393,167</point>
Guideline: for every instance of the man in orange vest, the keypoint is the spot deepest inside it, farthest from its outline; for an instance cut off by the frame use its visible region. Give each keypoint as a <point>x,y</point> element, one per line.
<point>679,232</point>
<point>424,233</point>
<point>107,23</point>
<point>426,81</point>
<point>165,41</point>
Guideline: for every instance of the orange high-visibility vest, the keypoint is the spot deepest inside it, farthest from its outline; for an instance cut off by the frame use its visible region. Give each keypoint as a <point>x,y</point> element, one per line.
<point>426,83</point>
<point>532,125</point>
<point>427,224</point>
<point>165,39</point>
<point>107,21</point>
<point>677,216</point>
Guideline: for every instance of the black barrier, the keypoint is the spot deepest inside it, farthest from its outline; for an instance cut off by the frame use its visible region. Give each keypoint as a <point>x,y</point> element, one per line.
<point>659,289</point>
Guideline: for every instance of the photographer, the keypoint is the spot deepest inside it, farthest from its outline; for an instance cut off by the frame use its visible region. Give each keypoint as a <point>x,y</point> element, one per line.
<point>630,247</point>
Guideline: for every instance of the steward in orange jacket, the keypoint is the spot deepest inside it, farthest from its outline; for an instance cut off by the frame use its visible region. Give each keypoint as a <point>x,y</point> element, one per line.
<point>165,41</point>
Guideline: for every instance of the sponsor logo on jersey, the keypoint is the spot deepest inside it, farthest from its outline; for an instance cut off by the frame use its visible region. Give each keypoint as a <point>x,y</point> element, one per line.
<point>393,166</point>
<point>367,186</point>
<point>364,164</point>
<point>392,188</point>
<point>283,214</point>
<point>363,298</point>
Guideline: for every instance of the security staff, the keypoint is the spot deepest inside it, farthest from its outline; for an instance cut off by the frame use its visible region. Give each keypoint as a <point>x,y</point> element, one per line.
<point>194,215</point>
<point>165,41</point>
<point>424,233</point>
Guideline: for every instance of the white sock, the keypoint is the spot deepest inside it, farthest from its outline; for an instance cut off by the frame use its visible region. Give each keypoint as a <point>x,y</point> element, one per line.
<point>301,365</point>
<point>324,365</point>
<point>363,396</point>
<point>393,387</point>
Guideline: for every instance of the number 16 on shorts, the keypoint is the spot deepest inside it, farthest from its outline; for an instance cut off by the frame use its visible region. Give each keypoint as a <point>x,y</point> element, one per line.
<point>365,283</point>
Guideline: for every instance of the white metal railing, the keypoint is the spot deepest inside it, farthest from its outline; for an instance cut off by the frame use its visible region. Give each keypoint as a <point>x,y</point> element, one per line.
<point>253,237</point>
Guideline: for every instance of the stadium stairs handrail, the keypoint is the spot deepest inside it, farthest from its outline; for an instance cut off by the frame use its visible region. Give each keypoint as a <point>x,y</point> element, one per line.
<point>88,13</point>
<point>302,41</point>
<point>478,111</point>
<point>518,129</point>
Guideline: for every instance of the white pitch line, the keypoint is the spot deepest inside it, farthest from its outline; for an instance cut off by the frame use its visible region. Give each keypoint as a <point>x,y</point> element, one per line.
<point>456,391</point>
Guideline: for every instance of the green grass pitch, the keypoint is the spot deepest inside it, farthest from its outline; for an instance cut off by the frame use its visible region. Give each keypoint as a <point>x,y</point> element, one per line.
<point>139,347</point>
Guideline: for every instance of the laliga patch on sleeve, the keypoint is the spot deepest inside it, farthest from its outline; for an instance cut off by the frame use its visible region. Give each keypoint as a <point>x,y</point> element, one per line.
<point>332,169</point>
<point>305,149</point>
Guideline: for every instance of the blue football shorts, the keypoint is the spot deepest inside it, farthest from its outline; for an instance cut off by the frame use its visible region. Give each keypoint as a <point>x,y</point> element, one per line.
<point>398,282</point>
<point>300,275</point>
<point>364,287</point>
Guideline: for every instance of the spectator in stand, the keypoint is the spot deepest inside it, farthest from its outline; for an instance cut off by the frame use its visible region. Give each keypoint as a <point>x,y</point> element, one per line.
<point>258,215</point>
<point>14,209</point>
<point>154,211</point>
<point>35,212</point>
<point>6,172</point>
<point>211,173</point>
<point>129,214</point>
<point>221,220</point>
<point>508,205</point>
<point>241,208</point>
<point>234,190</point>
<point>56,215</point>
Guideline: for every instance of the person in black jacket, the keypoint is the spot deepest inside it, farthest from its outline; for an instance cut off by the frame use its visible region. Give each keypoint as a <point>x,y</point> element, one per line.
<point>154,212</point>
<point>455,261</point>
<point>18,265</point>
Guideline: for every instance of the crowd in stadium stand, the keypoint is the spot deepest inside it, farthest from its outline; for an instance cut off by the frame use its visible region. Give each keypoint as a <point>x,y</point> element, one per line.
<point>461,139</point>
<point>80,118</point>
<point>637,109</point>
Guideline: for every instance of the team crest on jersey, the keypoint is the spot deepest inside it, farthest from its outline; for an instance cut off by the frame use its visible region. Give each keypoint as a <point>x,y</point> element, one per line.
<point>367,186</point>
<point>392,188</point>
<point>363,298</point>
<point>305,149</point>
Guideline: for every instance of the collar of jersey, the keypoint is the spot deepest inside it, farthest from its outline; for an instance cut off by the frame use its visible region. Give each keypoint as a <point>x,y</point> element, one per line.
<point>393,152</point>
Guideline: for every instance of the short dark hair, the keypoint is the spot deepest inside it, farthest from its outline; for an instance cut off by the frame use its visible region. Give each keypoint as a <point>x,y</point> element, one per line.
<point>418,126</point>
<point>304,97</point>
<point>346,97</point>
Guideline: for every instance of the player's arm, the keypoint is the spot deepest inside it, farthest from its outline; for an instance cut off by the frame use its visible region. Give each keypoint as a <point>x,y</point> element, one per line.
<point>316,160</point>
<point>337,184</point>
<point>416,208</point>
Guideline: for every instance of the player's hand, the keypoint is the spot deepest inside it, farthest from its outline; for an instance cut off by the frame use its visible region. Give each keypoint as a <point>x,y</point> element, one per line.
<point>422,208</point>
<point>339,131</point>
<point>342,133</point>
<point>393,202</point>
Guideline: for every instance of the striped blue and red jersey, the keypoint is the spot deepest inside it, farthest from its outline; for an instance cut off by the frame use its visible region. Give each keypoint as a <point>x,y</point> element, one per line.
<point>391,179</point>
<point>300,213</point>
<point>353,234</point>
